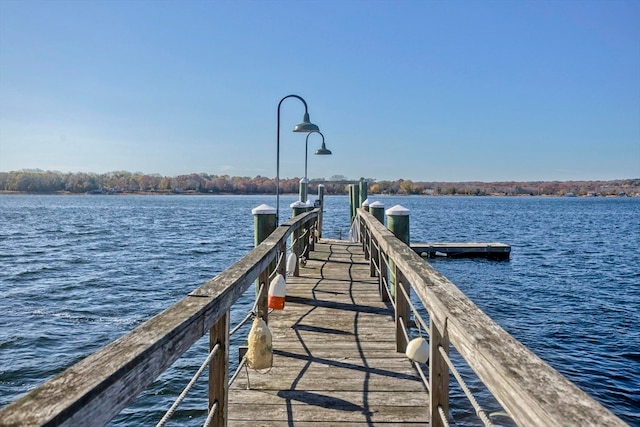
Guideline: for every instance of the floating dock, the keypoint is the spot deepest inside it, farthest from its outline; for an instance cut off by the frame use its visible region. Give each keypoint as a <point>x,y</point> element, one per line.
<point>494,251</point>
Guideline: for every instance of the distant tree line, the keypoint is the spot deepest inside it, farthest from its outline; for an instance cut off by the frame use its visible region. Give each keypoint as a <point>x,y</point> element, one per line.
<point>38,181</point>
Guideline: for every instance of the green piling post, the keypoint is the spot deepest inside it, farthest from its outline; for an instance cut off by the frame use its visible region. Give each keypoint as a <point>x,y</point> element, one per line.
<point>354,200</point>
<point>398,224</point>
<point>377,210</point>
<point>364,192</point>
<point>264,223</point>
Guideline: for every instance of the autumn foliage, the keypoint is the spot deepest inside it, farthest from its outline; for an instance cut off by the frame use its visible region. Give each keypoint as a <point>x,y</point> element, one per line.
<point>38,181</point>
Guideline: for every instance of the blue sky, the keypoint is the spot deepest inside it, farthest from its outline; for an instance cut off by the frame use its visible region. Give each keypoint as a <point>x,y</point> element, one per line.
<point>421,90</point>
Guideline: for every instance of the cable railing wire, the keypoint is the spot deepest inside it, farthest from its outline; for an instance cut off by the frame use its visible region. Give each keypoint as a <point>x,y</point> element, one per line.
<point>188,387</point>
<point>235,375</point>
<point>443,416</point>
<point>463,385</point>
<point>416,313</point>
<point>212,413</point>
<point>251,313</point>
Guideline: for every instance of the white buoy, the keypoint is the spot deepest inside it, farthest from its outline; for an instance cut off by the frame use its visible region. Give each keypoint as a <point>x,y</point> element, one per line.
<point>291,263</point>
<point>418,350</point>
<point>277,293</point>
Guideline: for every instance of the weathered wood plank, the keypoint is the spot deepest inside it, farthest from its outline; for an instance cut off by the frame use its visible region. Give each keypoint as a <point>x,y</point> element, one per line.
<point>275,397</point>
<point>334,353</point>
<point>339,412</point>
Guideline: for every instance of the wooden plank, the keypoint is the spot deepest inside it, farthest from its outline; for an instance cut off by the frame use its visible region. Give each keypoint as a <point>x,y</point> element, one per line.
<point>275,397</point>
<point>334,353</point>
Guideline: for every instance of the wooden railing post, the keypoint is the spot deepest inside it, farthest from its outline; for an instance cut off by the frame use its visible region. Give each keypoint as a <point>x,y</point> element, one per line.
<point>383,280</point>
<point>321,200</point>
<point>297,244</point>
<point>438,372</point>
<point>374,258</point>
<point>364,237</point>
<point>218,370</point>
<point>402,310</point>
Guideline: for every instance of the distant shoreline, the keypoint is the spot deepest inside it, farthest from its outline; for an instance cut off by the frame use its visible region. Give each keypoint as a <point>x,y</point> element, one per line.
<point>196,193</point>
<point>48,182</point>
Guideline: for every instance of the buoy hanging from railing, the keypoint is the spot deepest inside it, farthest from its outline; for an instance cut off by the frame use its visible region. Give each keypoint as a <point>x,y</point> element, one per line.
<point>418,350</point>
<point>260,352</point>
<point>277,292</point>
<point>291,263</point>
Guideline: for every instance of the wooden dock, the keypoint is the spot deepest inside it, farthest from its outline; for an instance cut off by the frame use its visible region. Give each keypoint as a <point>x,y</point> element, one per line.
<point>334,353</point>
<point>494,250</point>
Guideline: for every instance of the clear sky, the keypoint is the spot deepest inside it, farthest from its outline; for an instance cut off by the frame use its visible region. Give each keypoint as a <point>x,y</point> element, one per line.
<point>422,90</point>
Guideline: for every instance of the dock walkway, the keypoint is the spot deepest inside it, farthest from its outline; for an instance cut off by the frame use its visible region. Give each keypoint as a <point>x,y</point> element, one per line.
<point>334,353</point>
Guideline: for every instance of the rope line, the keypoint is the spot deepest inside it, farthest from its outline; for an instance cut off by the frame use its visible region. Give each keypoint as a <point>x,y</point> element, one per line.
<point>237,372</point>
<point>404,329</point>
<point>212,413</point>
<point>443,416</point>
<point>416,314</point>
<point>293,243</point>
<point>186,390</point>
<point>425,381</point>
<point>251,313</point>
<point>479,411</point>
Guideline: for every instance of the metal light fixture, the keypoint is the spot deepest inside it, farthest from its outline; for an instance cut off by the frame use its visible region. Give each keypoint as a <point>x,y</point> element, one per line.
<point>322,151</point>
<point>305,126</point>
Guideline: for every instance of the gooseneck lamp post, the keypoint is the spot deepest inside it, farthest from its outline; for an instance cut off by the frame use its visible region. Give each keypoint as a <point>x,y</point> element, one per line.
<point>304,126</point>
<point>322,151</point>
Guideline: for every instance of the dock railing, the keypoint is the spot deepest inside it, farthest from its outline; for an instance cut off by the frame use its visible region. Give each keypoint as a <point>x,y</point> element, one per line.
<point>531,392</point>
<point>96,389</point>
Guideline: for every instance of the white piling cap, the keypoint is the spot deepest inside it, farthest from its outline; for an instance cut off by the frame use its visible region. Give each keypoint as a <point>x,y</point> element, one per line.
<point>365,203</point>
<point>321,185</point>
<point>397,210</point>
<point>376,204</point>
<point>298,204</point>
<point>263,209</point>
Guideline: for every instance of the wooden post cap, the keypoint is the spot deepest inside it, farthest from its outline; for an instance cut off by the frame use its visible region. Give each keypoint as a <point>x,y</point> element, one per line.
<point>397,210</point>
<point>263,209</point>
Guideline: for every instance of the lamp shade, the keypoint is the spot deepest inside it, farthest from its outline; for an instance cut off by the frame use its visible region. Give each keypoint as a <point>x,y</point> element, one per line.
<point>323,151</point>
<point>306,125</point>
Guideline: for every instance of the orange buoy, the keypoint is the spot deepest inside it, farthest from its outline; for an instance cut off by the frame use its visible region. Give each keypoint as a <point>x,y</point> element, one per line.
<point>277,291</point>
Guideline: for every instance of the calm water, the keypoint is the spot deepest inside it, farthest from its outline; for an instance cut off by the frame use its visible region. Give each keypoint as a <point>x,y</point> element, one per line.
<point>77,272</point>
